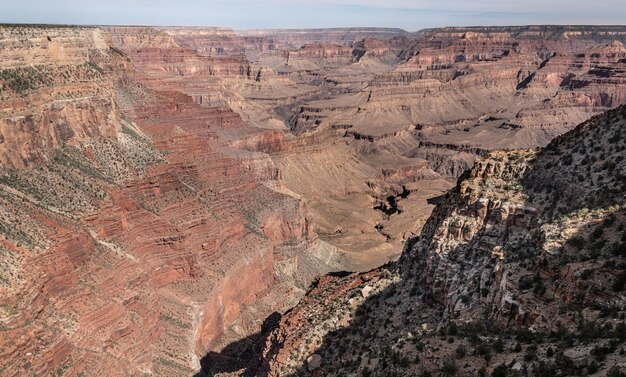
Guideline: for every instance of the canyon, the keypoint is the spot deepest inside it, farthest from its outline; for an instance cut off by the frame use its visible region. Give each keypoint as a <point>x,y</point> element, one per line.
<point>166,191</point>
<point>519,270</point>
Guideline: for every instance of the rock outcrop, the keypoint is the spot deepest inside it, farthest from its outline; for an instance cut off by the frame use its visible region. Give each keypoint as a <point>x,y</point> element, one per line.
<point>520,268</point>
<point>54,91</point>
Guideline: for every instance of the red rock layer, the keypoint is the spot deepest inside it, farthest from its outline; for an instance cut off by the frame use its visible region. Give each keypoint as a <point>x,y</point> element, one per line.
<point>143,272</point>
<point>158,51</point>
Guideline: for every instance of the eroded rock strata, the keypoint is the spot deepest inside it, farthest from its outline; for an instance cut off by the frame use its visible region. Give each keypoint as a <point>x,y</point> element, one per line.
<point>382,115</point>
<point>164,190</point>
<point>130,245</point>
<point>520,270</point>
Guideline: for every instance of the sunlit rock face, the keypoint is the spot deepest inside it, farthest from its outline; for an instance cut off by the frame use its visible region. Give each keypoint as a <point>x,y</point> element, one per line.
<point>391,113</point>
<point>164,190</point>
<point>131,243</point>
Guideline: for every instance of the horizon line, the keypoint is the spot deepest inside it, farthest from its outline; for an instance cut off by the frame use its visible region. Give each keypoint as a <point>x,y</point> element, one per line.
<point>26,24</point>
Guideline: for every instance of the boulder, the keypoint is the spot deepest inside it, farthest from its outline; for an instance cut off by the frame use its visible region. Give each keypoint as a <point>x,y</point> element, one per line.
<point>365,292</point>
<point>314,361</point>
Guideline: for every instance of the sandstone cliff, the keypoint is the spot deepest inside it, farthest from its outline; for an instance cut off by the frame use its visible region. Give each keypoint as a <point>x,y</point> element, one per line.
<point>52,78</point>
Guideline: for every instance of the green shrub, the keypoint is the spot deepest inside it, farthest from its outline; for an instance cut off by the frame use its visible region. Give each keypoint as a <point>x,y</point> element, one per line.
<point>596,234</point>
<point>615,371</point>
<point>498,346</point>
<point>461,351</point>
<point>620,282</point>
<point>577,242</point>
<point>500,371</point>
<point>23,79</point>
<point>449,368</point>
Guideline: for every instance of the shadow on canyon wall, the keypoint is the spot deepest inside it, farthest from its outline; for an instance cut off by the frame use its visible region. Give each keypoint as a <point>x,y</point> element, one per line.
<point>553,192</point>
<point>241,355</point>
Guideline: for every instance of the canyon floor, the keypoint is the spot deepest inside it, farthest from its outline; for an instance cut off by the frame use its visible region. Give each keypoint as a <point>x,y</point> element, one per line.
<point>167,191</point>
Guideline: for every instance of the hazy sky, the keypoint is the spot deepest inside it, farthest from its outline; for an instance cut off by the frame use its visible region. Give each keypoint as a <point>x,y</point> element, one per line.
<point>246,14</point>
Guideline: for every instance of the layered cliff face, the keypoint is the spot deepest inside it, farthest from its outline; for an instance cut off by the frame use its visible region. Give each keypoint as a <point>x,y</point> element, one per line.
<point>415,113</point>
<point>296,38</point>
<point>265,143</point>
<point>521,269</point>
<point>253,43</point>
<point>53,92</point>
<point>392,121</point>
<point>525,79</point>
<point>130,244</point>
<point>166,189</point>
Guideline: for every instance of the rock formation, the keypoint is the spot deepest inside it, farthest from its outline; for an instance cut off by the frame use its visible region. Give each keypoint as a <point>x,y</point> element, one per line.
<point>130,244</point>
<point>521,269</point>
<point>165,190</point>
<point>414,111</point>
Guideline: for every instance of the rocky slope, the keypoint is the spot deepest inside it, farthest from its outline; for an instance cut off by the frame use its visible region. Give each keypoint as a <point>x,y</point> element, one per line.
<point>55,80</point>
<point>125,231</point>
<point>521,270</point>
<point>165,189</point>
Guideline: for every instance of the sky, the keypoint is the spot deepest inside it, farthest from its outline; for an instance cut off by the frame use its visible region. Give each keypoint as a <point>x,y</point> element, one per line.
<point>410,15</point>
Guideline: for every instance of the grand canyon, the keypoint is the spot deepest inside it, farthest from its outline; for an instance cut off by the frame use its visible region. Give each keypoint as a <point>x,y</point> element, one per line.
<point>203,201</point>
